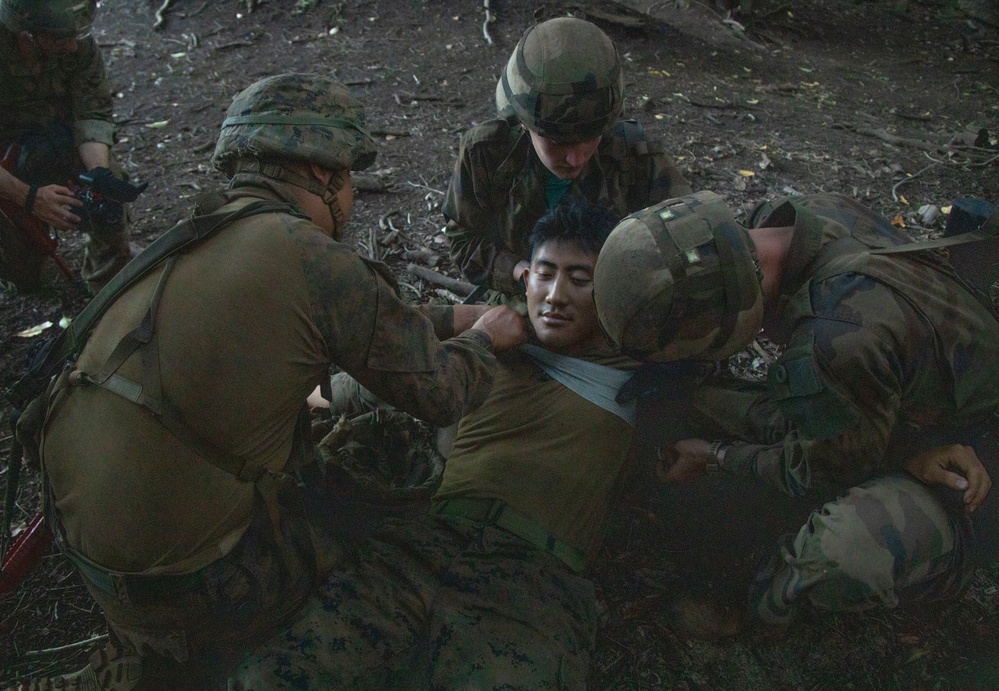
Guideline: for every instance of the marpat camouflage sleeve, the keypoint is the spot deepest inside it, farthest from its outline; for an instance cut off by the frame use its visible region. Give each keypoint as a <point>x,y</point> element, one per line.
<point>388,346</point>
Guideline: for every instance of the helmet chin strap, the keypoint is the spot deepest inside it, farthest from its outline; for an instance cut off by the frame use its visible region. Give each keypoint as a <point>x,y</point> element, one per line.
<point>328,193</point>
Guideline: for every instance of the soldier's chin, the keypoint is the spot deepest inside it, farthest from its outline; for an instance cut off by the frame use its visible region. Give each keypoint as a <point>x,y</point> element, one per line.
<point>554,340</point>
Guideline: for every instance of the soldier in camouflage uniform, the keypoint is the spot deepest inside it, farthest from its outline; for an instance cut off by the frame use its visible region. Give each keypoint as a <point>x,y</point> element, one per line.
<point>885,384</point>
<point>55,122</point>
<point>558,133</point>
<point>488,590</point>
<point>179,506</point>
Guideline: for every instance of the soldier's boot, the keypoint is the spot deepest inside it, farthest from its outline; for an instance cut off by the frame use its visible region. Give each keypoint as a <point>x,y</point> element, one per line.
<point>110,669</point>
<point>703,616</point>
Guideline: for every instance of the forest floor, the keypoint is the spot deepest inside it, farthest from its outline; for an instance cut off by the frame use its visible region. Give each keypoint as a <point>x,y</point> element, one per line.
<point>893,103</point>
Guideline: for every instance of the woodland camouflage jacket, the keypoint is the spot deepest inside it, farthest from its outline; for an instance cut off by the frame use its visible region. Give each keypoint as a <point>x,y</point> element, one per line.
<point>878,349</point>
<point>71,89</point>
<point>497,192</point>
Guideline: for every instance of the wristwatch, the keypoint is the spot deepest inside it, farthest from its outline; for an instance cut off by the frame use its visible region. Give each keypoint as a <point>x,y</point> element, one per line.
<point>716,456</point>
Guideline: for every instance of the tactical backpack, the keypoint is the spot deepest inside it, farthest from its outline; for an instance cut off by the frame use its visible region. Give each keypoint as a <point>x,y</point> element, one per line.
<point>30,396</point>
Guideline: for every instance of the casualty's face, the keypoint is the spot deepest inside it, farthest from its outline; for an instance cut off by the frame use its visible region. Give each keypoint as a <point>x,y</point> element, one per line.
<point>560,298</point>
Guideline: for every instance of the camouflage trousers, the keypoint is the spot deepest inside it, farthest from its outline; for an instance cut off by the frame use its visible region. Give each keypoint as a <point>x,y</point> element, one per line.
<point>437,603</point>
<point>49,158</point>
<point>888,540</point>
<point>191,631</point>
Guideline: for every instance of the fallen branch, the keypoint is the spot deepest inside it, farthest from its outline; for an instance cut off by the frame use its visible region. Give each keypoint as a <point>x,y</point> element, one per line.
<point>485,23</point>
<point>367,183</point>
<point>159,14</point>
<point>422,255</point>
<point>389,133</point>
<point>385,222</point>
<point>373,245</point>
<point>72,646</point>
<point>894,189</point>
<point>886,136</point>
<point>449,296</point>
<point>452,284</point>
<point>234,44</point>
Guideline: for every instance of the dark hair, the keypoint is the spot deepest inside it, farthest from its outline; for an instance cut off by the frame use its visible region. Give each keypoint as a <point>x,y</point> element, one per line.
<point>574,220</point>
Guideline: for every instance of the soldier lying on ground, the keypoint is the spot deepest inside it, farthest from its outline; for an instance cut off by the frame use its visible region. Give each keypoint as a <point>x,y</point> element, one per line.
<point>885,354</point>
<point>487,590</point>
<point>170,454</point>
<point>558,134</point>
<point>55,122</point>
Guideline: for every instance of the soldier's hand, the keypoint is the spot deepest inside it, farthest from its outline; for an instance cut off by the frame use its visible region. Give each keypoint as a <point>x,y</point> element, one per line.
<point>504,325</point>
<point>955,466</point>
<point>55,205</point>
<point>685,462</point>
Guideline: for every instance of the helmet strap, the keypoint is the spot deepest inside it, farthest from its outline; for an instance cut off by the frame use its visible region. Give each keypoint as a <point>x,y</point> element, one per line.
<point>328,193</point>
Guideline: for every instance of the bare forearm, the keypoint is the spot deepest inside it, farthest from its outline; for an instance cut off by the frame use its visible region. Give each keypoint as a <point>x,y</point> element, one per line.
<point>12,188</point>
<point>95,155</point>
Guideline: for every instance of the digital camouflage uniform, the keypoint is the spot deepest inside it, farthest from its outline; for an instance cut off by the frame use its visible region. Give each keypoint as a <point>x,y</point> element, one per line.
<point>48,116</point>
<point>484,592</point>
<point>564,82</point>
<point>190,562</point>
<point>497,192</point>
<point>884,355</point>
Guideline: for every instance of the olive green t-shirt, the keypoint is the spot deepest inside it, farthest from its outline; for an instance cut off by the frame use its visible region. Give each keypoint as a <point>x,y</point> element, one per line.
<point>542,449</point>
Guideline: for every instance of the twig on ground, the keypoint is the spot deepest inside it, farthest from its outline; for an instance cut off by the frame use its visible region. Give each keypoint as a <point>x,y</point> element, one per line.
<point>886,136</point>
<point>71,646</point>
<point>385,222</point>
<point>894,189</point>
<point>425,187</point>
<point>368,183</point>
<point>197,11</point>
<point>985,163</point>
<point>452,284</point>
<point>485,23</point>
<point>424,256</point>
<point>390,133</point>
<point>159,14</point>
<point>372,244</point>
<point>234,44</point>
<point>448,295</point>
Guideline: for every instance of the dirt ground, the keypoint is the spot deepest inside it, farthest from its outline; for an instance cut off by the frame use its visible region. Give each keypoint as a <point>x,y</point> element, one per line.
<point>895,103</point>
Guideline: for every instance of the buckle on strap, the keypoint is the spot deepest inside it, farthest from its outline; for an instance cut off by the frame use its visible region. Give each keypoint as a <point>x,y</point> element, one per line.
<point>496,513</point>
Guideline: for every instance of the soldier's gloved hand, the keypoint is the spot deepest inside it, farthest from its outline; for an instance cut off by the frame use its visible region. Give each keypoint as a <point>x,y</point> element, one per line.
<point>955,466</point>
<point>669,380</point>
<point>103,180</point>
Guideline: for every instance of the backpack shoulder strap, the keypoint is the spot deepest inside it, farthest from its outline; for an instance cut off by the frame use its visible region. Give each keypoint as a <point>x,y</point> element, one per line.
<point>186,233</point>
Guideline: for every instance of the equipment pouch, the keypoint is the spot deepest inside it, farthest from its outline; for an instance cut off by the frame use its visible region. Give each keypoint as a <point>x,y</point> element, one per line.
<point>28,429</point>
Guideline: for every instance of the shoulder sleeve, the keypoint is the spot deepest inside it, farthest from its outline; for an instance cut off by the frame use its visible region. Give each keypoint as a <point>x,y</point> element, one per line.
<point>473,225</point>
<point>91,97</point>
<point>388,346</point>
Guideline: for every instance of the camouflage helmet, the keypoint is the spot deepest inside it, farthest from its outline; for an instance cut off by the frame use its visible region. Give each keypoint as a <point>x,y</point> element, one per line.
<point>307,118</point>
<point>679,280</point>
<point>563,81</point>
<point>59,17</point>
